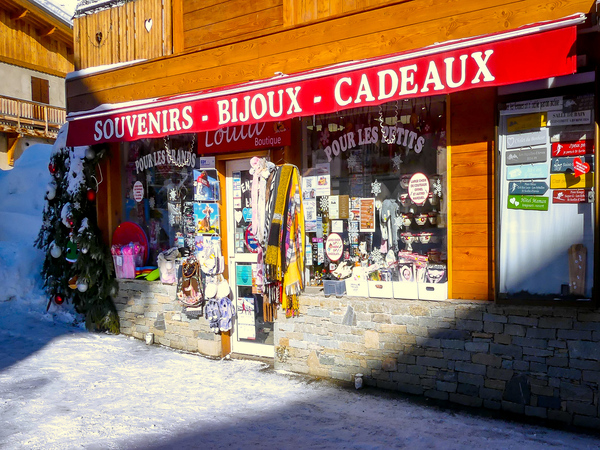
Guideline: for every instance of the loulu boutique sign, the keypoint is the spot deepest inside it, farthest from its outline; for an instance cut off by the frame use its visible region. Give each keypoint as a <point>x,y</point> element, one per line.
<point>441,69</point>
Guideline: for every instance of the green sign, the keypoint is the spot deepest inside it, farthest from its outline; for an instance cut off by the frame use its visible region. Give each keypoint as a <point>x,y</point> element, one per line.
<point>528,202</point>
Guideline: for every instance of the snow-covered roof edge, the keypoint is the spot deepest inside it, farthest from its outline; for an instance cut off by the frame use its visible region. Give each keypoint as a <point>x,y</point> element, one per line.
<point>55,11</point>
<point>97,69</point>
<point>92,6</point>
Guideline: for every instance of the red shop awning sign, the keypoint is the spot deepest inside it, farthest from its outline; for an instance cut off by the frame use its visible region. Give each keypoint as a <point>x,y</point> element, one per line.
<point>536,51</point>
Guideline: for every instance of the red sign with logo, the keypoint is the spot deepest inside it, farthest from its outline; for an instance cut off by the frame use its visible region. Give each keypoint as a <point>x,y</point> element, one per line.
<point>573,148</point>
<point>245,137</point>
<point>486,61</point>
<point>570,196</point>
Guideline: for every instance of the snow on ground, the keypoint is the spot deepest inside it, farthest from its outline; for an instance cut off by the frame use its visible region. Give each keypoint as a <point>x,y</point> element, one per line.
<point>64,388</point>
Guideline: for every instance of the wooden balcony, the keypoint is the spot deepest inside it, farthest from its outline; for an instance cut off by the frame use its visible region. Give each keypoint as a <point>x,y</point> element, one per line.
<point>28,118</point>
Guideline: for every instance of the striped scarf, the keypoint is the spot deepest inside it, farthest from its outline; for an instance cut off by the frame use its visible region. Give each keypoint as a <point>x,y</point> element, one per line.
<point>273,259</point>
<point>293,240</point>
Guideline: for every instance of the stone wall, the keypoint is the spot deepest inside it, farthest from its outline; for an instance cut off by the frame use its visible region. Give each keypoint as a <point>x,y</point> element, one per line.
<point>537,361</point>
<point>146,307</point>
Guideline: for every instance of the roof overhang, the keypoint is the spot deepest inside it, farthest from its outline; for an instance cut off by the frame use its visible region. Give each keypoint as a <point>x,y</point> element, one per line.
<point>532,52</point>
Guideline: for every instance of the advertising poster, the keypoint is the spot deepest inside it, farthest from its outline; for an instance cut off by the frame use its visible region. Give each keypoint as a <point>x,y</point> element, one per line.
<point>245,318</point>
<point>310,214</point>
<point>367,215</point>
<point>206,217</point>
<point>323,185</point>
<point>308,187</point>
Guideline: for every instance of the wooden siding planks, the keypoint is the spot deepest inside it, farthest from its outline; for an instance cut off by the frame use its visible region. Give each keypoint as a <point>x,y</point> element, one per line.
<point>387,30</point>
<point>23,45</point>
<point>210,24</point>
<point>472,194</point>
<point>135,30</point>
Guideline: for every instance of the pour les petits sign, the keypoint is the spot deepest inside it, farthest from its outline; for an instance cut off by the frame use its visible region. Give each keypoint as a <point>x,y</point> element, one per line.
<point>430,71</point>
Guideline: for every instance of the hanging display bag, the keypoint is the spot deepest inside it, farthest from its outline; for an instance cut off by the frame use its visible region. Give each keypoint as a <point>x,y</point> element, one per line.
<point>189,287</point>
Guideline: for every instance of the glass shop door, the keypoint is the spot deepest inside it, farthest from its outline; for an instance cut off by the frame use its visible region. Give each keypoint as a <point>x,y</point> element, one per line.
<point>252,331</point>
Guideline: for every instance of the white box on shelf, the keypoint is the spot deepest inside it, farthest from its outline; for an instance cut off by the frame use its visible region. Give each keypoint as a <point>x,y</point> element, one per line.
<point>357,288</point>
<point>406,290</point>
<point>433,291</point>
<point>381,289</point>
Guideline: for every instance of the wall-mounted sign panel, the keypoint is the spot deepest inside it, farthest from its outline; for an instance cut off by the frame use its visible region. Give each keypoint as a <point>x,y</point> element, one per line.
<point>526,156</point>
<point>527,187</point>
<point>527,172</point>
<point>570,181</point>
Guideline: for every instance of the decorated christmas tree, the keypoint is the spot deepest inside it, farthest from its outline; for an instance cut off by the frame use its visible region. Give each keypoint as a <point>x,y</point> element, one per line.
<point>78,267</point>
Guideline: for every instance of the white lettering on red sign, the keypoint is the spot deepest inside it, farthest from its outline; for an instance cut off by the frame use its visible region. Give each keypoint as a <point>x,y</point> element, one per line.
<point>425,72</point>
<point>155,123</point>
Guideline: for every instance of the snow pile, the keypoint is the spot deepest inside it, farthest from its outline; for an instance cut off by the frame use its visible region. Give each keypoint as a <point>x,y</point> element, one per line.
<point>21,205</point>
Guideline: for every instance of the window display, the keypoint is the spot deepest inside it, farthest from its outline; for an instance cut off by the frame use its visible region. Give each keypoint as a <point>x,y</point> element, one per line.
<point>374,200</point>
<point>165,192</point>
<point>547,194</point>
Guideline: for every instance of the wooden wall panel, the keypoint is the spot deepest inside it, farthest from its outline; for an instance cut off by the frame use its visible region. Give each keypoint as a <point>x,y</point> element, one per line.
<point>472,219</point>
<point>395,28</point>
<point>207,24</point>
<point>301,12</point>
<point>22,44</point>
<point>140,29</point>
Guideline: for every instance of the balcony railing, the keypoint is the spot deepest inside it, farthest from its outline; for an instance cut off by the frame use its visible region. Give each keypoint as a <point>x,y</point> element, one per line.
<point>28,117</point>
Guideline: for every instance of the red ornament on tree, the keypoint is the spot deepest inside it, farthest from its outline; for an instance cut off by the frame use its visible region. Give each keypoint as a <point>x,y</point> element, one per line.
<point>58,299</point>
<point>52,168</point>
<point>91,195</point>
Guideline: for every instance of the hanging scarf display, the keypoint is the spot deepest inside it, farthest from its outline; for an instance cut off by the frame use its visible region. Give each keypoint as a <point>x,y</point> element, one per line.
<point>282,255</point>
<point>273,259</point>
<point>294,249</point>
<point>263,174</point>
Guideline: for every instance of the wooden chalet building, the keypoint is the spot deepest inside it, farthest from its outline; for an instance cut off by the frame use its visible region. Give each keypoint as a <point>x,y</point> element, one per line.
<point>447,150</point>
<point>35,56</point>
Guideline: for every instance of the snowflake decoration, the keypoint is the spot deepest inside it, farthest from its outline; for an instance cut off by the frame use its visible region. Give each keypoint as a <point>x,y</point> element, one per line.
<point>353,162</point>
<point>173,194</point>
<point>324,204</point>
<point>376,256</point>
<point>397,160</point>
<point>76,205</point>
<point>151,203</point>
<point>437,187</point>
<point>376,187</point>
<point>46,223</point>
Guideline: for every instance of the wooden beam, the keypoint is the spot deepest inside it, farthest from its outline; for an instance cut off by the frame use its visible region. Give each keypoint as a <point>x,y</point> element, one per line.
<point>10,155</point>
<point>37,68</point>
<point>19,14</point>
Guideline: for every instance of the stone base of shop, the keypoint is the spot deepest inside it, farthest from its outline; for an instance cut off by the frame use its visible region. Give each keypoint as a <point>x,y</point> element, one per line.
<point>536,361</point>
<point>145,307</point>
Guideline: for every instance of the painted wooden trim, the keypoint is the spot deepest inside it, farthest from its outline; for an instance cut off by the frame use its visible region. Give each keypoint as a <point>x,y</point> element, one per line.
<point>177,18</point>
<point>449,221</point>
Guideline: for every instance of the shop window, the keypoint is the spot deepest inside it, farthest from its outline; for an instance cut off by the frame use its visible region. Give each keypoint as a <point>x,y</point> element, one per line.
<point>547,195</point>
<point>375,200</point>
<point>167,195</point>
